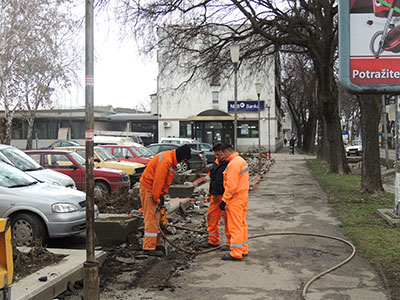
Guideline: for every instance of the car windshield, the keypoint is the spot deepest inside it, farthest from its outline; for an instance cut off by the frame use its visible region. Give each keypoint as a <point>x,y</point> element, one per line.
<point>103,153</point>
<point>205,147</point>
<point>11,177</point>
<point>147,151</point>
<point>142,151</point>
<point>356,143</point>
<point>137,151</point>
<point>79,159</point>
<point>21,160</point>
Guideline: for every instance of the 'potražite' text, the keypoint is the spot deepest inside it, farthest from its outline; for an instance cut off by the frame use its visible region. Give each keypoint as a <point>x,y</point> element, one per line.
<point>384,74</point>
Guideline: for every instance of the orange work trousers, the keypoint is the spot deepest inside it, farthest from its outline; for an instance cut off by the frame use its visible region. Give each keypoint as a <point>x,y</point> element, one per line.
<point>236,212</point>
<point>152,236</point>
<point>213,219</point>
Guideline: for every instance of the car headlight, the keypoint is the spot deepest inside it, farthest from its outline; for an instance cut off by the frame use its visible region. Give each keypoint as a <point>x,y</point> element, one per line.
<point>56,183</point>
<point>63,208</point>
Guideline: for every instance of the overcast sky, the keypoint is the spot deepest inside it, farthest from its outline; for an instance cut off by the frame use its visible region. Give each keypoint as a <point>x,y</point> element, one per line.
<point>122,78</point>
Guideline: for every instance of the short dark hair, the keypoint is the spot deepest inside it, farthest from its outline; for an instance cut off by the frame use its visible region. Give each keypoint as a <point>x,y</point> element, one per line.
<point>217,147</point>
<point>226,147</point>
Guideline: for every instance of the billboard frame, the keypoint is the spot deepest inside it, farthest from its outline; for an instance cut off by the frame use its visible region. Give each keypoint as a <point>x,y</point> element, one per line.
<point>344,59</point>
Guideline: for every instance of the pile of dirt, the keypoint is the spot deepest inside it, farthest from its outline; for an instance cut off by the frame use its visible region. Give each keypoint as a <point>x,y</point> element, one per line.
<point>26,263</point>
<point>122,201</point>
<point>126,267</point>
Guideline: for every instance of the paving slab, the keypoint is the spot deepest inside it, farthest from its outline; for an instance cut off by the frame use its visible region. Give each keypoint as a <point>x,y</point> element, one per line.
<point>389,216</point>
<point>68,270</point>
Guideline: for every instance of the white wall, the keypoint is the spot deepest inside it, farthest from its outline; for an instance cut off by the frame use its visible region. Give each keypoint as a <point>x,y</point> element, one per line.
<point>177,105</point>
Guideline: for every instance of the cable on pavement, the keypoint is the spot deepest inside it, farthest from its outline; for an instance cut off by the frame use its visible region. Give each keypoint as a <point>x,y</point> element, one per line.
<point>307,285</point>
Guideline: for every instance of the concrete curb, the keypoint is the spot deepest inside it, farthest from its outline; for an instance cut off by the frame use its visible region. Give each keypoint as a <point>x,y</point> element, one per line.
<point>69,270</point>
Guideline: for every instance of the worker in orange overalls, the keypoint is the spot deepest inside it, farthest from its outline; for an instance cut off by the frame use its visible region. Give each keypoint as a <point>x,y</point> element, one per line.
<point>214,197</point>
<point>234,201</point>
<point>154,184</point>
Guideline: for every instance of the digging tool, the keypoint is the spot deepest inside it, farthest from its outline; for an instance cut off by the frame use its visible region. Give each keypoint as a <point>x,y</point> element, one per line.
<point>162,219</point>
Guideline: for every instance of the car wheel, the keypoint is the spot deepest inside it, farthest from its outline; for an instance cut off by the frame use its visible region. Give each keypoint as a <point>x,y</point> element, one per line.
<point>26,228</point>
<point>100,188</point>
<point>182,166</point>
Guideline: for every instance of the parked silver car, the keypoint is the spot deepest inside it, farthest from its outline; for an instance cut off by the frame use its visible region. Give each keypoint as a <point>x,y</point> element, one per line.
<point>39,210</point>
<point>24,162</point>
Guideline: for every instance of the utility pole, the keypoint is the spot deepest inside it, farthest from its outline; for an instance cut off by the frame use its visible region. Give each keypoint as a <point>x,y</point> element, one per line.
<point>91,267</point>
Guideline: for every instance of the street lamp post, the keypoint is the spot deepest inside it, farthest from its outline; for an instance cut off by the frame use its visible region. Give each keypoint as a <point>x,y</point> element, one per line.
<point>234,50</point>
<point>258,91</point>
<point>269,128</point>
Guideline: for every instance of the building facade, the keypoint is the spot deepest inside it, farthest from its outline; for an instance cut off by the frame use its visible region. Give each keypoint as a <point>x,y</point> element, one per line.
<point>204,109</point>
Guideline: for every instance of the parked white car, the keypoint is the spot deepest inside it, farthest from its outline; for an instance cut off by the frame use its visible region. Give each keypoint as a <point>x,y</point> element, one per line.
<point>355,148</point>
<point>39,210</point>
<point>176,140</point>
<point>24,162</point>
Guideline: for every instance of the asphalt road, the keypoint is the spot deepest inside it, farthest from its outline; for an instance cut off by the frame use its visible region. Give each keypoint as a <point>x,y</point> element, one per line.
<point>391,153</point>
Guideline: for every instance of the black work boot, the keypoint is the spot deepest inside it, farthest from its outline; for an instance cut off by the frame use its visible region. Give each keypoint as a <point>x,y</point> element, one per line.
<point>160,248</point>
<point>153,252</point>
<point>229,257</point>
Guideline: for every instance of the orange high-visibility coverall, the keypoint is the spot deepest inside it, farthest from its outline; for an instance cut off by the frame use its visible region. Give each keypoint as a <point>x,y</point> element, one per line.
<point>236,197</point>
<point>214,212</point>
<point>155,181</point>
<point>213,219</point>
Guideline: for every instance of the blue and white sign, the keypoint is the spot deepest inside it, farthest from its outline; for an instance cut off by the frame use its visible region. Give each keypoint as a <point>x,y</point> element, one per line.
<point>245,106</point>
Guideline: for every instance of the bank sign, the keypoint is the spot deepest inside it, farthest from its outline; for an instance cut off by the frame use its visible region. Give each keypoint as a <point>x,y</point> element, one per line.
<point>245,106</point>
<point>369,45</point>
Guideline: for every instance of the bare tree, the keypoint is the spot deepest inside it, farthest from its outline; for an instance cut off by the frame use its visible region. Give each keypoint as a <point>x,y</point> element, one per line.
<point>298,89</point>
<point>35,37</point>
<point>257,25</point>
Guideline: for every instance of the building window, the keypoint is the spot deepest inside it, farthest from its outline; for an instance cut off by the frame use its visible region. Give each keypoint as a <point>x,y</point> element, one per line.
<point>185,129</point>
<point>215,97</point>
<point>247,129</point>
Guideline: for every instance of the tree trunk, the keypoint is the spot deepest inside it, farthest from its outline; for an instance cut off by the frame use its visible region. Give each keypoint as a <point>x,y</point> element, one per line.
<point>309,135</point>
<point>29,137</point>
<point>371,180</point>
<point>7,140</point>
<point>337,158</point>
<point>323,145</point>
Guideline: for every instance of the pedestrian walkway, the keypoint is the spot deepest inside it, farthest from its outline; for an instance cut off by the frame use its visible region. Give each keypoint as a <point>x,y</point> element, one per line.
<point>288,199</point>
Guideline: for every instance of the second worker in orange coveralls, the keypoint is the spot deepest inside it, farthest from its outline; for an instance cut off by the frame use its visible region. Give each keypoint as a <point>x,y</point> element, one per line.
<point>234,201</point>
<point>154,184</point>
<point>215,193</point>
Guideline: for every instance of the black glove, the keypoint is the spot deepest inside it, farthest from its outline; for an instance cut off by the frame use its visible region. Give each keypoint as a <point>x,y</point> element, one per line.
<point>222,205</point>
<point>162,200</point>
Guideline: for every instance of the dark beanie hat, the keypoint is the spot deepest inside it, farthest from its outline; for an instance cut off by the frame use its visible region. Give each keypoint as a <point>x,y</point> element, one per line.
<point>183,152</point>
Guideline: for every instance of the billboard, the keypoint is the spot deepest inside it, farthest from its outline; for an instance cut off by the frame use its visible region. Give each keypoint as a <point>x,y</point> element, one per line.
<point>369,45</point>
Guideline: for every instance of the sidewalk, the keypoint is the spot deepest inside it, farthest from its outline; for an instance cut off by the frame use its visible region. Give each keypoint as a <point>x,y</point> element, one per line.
<point>288,199</point>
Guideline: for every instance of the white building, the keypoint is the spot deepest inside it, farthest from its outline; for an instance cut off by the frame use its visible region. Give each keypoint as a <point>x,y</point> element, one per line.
<point>205,111</point>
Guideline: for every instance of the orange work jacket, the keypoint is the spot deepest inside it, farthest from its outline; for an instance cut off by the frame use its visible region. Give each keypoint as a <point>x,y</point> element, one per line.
<point>159,173</point>
<point>236,178</point>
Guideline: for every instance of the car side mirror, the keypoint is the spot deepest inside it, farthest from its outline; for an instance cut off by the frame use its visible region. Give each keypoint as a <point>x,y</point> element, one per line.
<point>96,159</point>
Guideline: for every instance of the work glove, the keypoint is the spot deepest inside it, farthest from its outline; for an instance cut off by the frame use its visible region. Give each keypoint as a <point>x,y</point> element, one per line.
<point>162,200</point>
<point>222,205</point>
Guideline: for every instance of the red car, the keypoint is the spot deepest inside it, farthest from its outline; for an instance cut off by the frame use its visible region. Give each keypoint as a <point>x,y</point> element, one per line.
<point>72,164</point>
<point>134,153</point>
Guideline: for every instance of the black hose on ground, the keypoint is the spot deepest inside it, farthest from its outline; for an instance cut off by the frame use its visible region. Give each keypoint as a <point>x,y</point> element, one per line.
<point>307,285</point>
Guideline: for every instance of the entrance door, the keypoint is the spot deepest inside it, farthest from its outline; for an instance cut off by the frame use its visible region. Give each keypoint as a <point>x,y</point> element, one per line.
<point>214,131</point>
